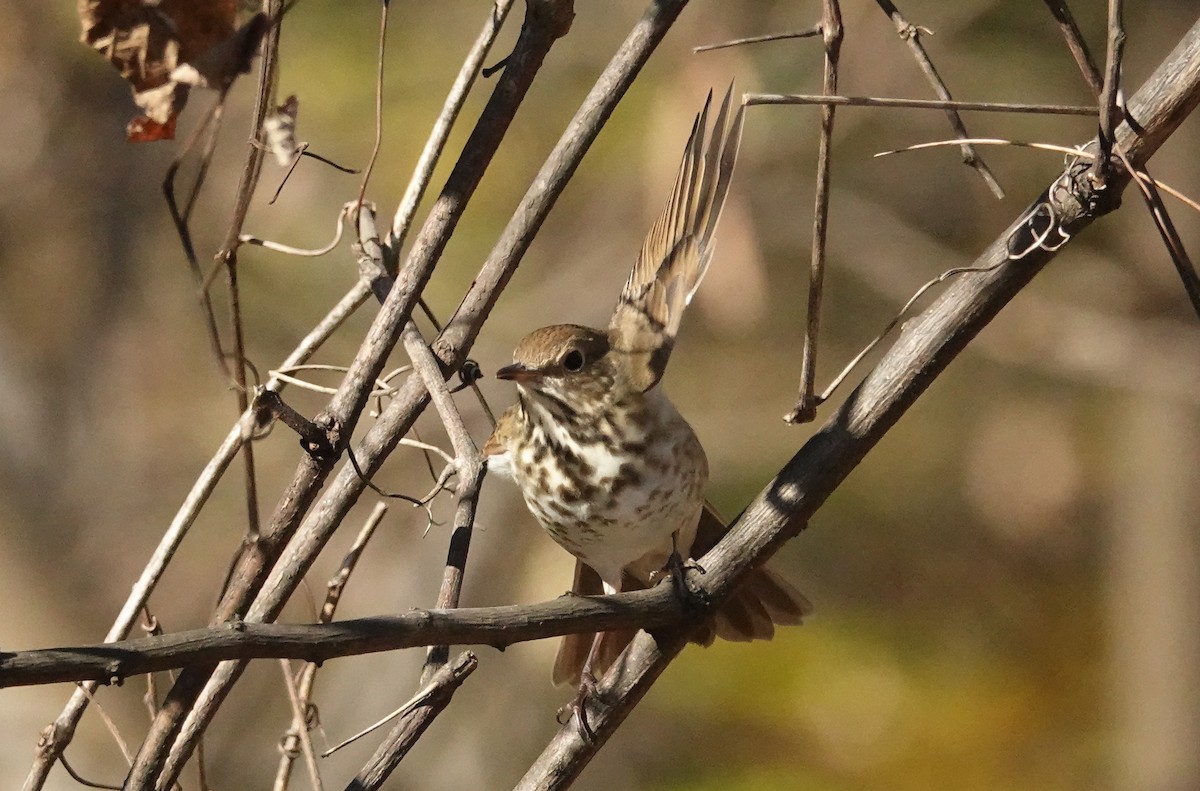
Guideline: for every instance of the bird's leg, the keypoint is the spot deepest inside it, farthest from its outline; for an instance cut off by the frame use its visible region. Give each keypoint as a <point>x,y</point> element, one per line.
<point>587,690</point>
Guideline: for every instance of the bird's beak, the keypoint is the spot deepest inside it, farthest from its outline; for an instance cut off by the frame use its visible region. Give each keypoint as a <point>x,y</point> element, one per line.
<point>519,373</point>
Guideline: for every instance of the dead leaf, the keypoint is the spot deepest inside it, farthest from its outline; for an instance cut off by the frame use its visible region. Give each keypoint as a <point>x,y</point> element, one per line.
<point>149,43</point>
<point>221,64</point>
<point>145,130</point>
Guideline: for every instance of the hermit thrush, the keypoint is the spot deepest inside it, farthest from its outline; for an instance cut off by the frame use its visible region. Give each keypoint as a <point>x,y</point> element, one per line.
<point>604,461</point>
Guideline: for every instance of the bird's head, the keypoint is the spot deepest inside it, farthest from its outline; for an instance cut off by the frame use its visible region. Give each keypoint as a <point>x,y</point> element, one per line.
<point>565,365</point>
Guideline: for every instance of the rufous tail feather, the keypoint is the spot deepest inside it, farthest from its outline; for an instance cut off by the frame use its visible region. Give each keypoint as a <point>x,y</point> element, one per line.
<point>765,600</point>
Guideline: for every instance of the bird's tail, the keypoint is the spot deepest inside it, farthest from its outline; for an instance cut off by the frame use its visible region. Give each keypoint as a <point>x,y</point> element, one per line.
<point>765,600</point>
<point>573,649</point>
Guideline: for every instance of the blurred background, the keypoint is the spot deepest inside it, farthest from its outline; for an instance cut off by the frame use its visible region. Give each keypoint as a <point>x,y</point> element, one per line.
<point>1006,589</point>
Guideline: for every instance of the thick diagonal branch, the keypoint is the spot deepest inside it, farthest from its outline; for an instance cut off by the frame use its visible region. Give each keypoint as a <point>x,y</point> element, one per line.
<point>925,347</point>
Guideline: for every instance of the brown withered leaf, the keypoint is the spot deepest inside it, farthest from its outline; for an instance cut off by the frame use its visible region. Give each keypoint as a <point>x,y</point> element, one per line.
<point>144,130</point>
<point>221,64</point>
<point>147,42</point>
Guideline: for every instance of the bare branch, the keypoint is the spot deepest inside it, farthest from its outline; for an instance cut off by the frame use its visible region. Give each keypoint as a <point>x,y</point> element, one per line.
<point>59,734</point>
<point>498,626</point>
<point>444,123</point>
<point>1166,231</point>
<point>264,102</point>
<point>809,32</point>
<point>1075,43</point>
<point>313,438</point>
<point>469,465</point>
<point>831,34</point>
<point>911,34</point>
<point>298,733</point>
<point>925,347</point>
<point>378,142</point>
<point>429,703</point>
<point>1110,112</point>
<point>297,737</point>
<point>460,332</point>
<point>917,104</point>
<point>545,22</point>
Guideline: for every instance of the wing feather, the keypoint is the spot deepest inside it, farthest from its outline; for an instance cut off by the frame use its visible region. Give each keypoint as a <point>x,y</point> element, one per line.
<point>678,249</point>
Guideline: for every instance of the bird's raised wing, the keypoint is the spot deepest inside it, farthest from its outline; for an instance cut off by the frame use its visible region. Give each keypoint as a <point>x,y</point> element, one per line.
<point>678,249</point>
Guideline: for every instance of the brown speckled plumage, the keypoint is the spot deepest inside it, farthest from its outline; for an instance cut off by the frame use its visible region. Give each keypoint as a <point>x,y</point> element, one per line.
<point>604,461</point>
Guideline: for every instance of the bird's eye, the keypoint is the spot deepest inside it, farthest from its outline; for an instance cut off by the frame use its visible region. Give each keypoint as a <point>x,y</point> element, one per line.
<point>573,360</point>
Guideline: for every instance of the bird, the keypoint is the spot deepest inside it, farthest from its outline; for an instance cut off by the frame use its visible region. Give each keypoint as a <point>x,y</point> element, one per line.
<point>604,461</point>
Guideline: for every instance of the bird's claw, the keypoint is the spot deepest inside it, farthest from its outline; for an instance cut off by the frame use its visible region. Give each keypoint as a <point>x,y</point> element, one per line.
<point>577,708</point>
<point>692,597</point>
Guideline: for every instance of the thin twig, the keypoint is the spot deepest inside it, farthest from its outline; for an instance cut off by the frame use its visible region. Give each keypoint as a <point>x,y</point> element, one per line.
<point>111,727</point>
<point>300,251</point>
<point>831,34</point>
<point>249,477</point>
<point>1110,116</point>
<point>183,716</point>
<point>298,732</point>
<point>425,446</point>
<point>1166,230</point>
<point>920,292</point>
<point>1110,112</point>
<point>336,585</point>
<point>988,141</point>
<point>926,346</point>
<point>358,470</point>
<point>296,737</point>
<point>378,142</point>
<point>382,388</point>
<point>227,255</point>
<point>469,465</point>
<point>439,481</point>
<point>82,780</point>
<point>807,32</point>
<point>917,104</point>
<point>59,734</point>
<point>1190,202</point>
<point>432,151</point>
<point>1088,345</point>
<point>423,696</point>
<point>911,34</point>
<point>1075,43</point>
<point>428,704</point>
<point>180,219</point>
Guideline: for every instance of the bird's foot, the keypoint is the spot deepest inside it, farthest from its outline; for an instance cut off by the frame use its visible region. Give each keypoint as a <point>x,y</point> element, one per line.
<point>577,708</point>
<point>692,597</point>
